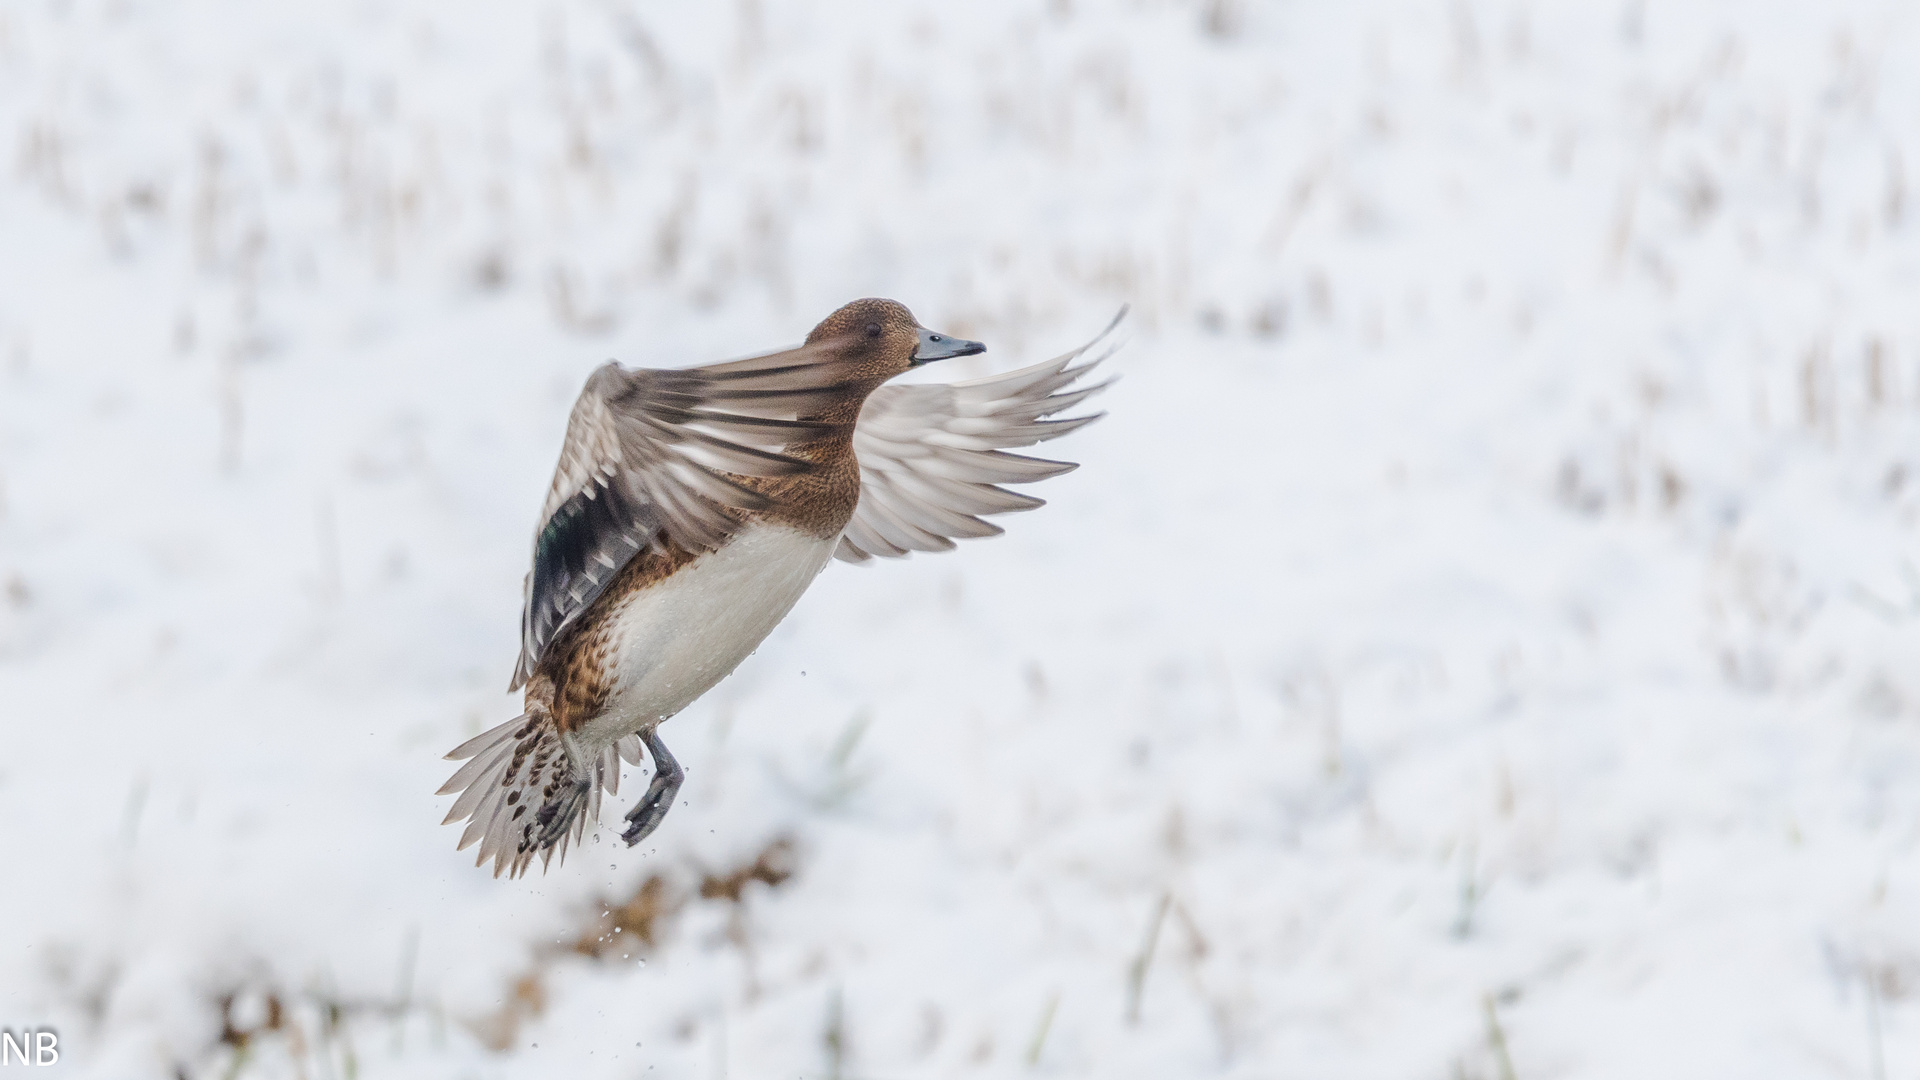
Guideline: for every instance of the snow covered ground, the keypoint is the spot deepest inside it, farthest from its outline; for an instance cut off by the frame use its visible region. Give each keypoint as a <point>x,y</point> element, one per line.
<point>1481,641</point>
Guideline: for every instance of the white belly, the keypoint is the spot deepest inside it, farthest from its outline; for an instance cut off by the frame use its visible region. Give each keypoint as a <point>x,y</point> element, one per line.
<point>682,635</point>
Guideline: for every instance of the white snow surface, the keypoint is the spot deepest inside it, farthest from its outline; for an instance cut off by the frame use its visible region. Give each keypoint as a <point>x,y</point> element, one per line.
<point>1480,641</point>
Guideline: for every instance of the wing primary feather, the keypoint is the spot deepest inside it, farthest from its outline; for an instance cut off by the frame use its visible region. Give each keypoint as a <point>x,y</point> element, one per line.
<point>932,457</point>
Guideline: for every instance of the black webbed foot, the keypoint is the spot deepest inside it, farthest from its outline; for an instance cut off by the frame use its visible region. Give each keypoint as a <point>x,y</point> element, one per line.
<point>557,816</point>
<point>651,810</point>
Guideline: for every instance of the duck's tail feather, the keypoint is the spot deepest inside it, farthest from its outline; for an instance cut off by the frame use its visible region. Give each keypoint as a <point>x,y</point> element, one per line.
<point>514,770</point>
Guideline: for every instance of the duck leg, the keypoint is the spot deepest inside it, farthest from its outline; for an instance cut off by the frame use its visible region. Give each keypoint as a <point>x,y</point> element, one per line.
<point>652,808</point>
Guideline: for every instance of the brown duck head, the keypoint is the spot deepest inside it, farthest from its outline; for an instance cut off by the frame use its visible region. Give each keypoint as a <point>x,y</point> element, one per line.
<point>878,339</point>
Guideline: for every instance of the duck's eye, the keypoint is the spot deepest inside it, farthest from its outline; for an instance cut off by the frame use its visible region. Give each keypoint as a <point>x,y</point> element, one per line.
<point>873,329</point>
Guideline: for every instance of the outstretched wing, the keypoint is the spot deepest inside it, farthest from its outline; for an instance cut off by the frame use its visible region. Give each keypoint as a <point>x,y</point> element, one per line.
<point>654,460</point>
<point>932,457</point>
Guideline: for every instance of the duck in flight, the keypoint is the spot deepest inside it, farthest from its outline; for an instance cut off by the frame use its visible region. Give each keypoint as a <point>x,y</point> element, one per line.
<point>690,510</point>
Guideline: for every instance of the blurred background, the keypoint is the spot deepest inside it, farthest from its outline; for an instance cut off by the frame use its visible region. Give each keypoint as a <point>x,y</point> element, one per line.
<point>1478,645</point>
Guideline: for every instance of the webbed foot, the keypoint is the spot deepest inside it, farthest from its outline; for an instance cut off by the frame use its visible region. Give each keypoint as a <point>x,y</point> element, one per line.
<point>651,810</point>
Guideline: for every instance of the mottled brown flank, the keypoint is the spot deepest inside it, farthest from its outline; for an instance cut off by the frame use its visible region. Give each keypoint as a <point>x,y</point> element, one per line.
<point>575,676</point>
<point>578,669</point>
